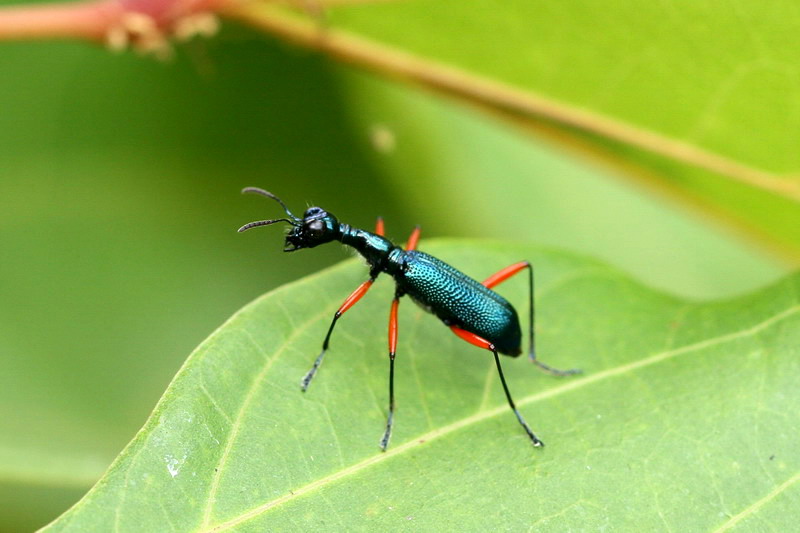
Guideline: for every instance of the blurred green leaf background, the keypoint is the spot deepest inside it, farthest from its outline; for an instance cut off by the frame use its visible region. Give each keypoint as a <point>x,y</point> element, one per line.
<point>119,201</point>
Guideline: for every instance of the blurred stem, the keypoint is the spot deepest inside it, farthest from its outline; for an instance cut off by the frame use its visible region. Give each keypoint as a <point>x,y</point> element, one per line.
<point>144,24</point>
<point>506,98</point>
<point>83,20</point>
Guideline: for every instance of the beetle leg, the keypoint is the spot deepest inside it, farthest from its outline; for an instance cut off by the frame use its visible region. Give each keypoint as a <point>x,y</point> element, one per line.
<point>501,276</point>
<point>413,239</point>
<point>348,303</point>
<point>483,343</point>
<point>392,350</point>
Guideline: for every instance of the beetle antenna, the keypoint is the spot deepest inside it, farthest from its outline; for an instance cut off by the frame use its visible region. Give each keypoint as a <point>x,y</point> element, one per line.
<point>268,194</point>
<point>265,223</point>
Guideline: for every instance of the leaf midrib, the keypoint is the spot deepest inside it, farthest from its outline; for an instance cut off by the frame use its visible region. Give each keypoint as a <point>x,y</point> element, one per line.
<point>484,415</point>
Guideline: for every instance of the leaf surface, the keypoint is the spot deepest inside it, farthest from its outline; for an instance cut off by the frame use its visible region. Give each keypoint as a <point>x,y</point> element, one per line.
<point>679,422</point>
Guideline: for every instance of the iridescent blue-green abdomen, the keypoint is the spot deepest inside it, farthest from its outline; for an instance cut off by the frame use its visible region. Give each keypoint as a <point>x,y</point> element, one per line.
<point>460,300</point>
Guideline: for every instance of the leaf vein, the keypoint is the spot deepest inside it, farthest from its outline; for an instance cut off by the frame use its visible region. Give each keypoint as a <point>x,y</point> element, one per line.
<point>752,509</point>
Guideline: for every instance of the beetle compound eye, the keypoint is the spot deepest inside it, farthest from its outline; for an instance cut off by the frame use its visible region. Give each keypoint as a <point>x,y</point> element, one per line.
<point>316,228</point>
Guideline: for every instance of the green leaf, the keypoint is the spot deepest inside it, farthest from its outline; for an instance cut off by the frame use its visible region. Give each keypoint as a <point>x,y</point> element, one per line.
<point>455,170</point>
<point>697,99</point>
<point>683,419</point>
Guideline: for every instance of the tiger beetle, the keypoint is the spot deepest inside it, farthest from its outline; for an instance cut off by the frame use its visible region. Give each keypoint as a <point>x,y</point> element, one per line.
<point>472,310</point>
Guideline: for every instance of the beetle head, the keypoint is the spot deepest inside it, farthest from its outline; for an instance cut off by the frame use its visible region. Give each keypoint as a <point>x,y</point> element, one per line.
<point>316,227</point>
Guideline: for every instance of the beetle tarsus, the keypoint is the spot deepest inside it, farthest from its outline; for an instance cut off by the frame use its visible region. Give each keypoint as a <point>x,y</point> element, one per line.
<point>534,439</point>
<point>306,381</point>
<point>553,371</point>
<point>388,433</point>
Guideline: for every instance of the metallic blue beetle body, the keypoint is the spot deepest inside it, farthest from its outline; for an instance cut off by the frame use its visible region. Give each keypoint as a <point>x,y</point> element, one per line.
<point>472,310</point>
<point>448,293</point>
<point>459,300</point>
